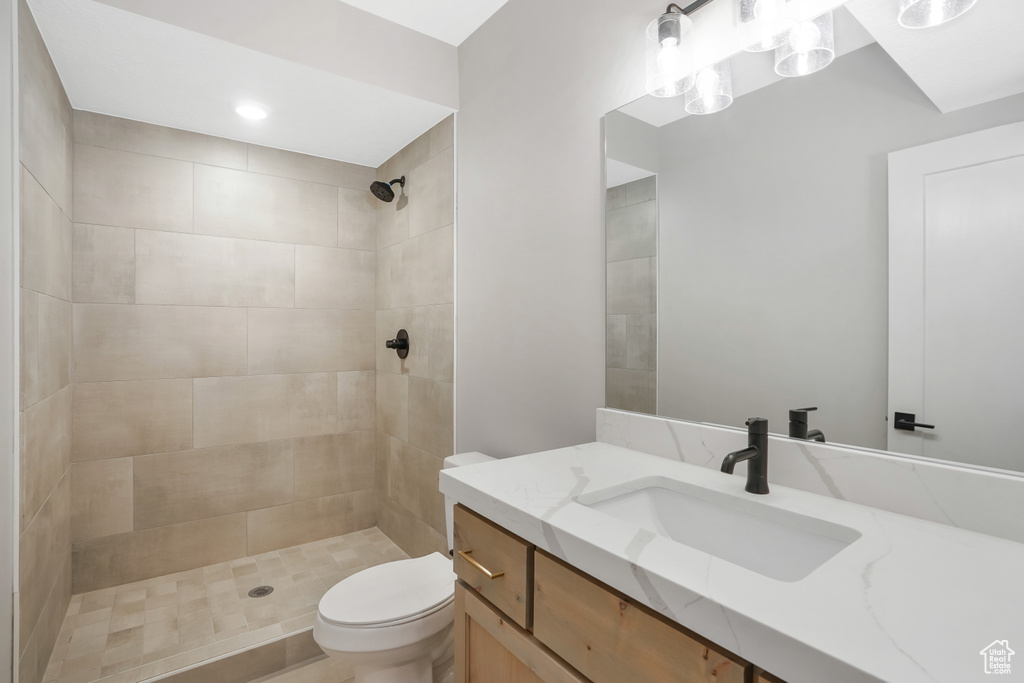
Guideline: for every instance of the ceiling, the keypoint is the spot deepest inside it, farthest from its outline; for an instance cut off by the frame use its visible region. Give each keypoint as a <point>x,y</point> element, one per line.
<point>976,58</point>
<point>324,95</point>
<point>449,20</point>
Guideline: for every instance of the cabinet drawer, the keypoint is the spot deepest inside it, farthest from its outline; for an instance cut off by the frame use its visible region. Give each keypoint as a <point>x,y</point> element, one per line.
<point>611,639</point>
<point>482,547</point>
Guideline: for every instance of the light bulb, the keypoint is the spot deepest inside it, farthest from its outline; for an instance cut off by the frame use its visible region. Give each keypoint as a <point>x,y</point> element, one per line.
<point>707,82</point>
<point>670,61</point>
<point>712,90</point>
<point>810,48</point>
<point>764,24</point>
<point>805,38</point>
<point>929,13</point>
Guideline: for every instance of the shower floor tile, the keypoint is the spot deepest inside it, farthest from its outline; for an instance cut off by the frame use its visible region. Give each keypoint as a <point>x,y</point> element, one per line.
<point>139,630</point>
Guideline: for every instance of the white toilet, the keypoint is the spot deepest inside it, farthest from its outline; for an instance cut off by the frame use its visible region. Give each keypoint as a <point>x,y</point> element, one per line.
<point>394,622</point>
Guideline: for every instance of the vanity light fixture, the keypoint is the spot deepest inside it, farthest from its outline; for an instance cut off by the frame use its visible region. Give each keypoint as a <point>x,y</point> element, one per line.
<point>928,13</point>
<point>251,111</point>
<point>809,48</point>
<point>711,91</point>
<point>670,62</point>
<point>765,24</point>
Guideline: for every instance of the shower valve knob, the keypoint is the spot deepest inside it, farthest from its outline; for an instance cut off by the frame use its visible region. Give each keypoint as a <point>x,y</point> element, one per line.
<point>400,343</point>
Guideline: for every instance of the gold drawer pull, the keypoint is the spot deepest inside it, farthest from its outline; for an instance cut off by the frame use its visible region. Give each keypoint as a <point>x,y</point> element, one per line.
<point>464,554</point>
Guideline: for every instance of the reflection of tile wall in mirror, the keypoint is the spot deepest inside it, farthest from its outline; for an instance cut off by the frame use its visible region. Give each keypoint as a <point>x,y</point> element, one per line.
<point>631,230</point>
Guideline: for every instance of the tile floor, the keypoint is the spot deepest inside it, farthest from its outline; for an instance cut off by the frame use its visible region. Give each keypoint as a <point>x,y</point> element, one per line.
<point>149,628</point>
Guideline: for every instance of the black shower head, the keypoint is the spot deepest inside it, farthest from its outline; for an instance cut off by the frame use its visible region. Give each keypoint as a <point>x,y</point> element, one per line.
<point>383,191</point>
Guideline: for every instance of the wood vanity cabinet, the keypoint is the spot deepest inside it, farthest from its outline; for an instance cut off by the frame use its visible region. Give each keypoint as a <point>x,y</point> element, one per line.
<point>539,620</point>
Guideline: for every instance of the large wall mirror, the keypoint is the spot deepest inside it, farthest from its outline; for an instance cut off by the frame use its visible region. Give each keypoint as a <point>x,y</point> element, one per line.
<point>851,240</point>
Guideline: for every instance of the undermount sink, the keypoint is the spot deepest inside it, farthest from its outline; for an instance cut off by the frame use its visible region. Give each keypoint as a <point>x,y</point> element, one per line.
<point>775,543</point>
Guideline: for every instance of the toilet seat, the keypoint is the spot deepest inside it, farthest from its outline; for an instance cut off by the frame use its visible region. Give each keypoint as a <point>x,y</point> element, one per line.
<point>390,594</point>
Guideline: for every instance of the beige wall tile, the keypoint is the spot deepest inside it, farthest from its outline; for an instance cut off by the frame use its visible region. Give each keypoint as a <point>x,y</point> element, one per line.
<point>180,487</point>
<point>357,404</point>
<point>413,482</point>
<point>393,404</point>
<point>113,560</point>
<point>431,341</point>
<point>156,342</point>
<point>115,419</point>
<point>200,270</point>
<point>237,204</point>
<point>643,190</point>
<point>357,218</point>
<point>37,651</point>
<point>310,520</point>
<point>393,220</point>
<point>28,344</point>
<point>423,272</point>
<point>45,450</point>
<point>231,410</point>
<point>334,278</point>
<point>43,548</point>
<point>442,136</point>
<point>132,190</point>
<point>104,264</point>
<point>45,346</point>
<point>310,340</point>
<point>333,464</point>
<point>145,138</point>
<point>632,231</point>
<point>278,162</point>
<point>431,190</point>
<point>632,341</point>
<point>385,257</point>
<point>412,535</point>
<point>615,198</point>
<point>631,390</point>
<point>45,116</point>
<point>406,159</point>
<point>632,286</point>
<point>431,416</point>
<point>45,241</point>
<point>615,341</point>
<point>101,498</point>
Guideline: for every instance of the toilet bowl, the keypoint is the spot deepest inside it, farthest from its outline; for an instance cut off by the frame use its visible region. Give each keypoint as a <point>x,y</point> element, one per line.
<point>393,623</point>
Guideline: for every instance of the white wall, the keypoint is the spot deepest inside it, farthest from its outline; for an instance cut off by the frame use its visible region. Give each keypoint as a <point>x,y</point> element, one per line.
<point>535,81</point>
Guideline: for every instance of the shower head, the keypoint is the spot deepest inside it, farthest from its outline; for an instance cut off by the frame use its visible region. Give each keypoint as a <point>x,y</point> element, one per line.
<point>383,191</point>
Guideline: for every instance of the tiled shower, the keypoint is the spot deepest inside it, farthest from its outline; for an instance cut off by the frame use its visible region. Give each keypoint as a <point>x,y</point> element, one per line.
<point>204,376</point>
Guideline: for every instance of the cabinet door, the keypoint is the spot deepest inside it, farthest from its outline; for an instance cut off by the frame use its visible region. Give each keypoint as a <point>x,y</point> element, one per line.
<point>484,550</point>
<point>491,649</point>
<point>612,639</point>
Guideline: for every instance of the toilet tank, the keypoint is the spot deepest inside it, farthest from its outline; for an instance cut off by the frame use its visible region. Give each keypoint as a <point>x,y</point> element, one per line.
<point>449,503</point>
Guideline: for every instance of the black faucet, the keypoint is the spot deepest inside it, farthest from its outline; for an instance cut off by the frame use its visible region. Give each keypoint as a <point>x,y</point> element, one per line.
<point>798,426</point>
<point>756,455</point>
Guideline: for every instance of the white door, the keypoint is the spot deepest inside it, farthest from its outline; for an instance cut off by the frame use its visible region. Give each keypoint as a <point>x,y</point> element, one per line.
<point>956,297</point>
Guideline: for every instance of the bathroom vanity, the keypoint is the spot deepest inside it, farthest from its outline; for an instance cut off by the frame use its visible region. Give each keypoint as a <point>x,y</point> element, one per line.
<point>590,584</point>
<point>539,619</point>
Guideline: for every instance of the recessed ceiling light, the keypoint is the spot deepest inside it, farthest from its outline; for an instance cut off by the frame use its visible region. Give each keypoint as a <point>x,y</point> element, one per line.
<point>253,112</point>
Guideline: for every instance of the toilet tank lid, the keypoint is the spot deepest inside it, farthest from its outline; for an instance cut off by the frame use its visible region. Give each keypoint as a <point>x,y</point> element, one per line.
<point>390,592</point>
<point>462,459</point>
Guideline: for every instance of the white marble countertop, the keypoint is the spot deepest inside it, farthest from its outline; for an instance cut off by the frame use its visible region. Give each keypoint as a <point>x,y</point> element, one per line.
<point>909,601</point>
